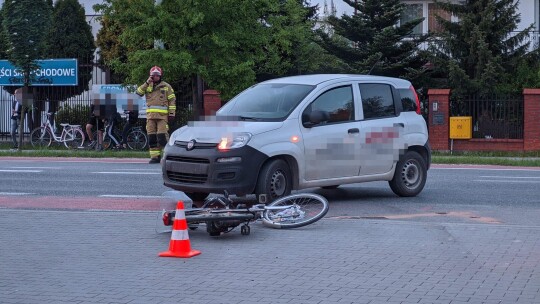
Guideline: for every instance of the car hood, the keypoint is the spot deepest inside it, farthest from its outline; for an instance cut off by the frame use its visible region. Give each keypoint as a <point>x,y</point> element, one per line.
<point>214,131</point>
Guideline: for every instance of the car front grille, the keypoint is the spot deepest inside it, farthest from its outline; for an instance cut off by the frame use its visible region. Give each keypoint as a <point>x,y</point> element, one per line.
<point>188,159</point>
<point>187,177</point>
<point>183,144</point>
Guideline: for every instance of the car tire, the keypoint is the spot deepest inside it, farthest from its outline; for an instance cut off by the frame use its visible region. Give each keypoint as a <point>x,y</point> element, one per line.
<point>410,175</point>
<point>274,181</point>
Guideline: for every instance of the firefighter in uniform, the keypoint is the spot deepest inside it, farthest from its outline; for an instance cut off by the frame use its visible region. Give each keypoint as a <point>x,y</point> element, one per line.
<point>160,108</point>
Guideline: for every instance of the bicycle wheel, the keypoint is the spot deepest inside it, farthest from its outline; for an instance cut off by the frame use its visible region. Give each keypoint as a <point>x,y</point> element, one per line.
<point>106,140</point>
<point>295,210</point>
<point>137,140</point>
<point>73,138</point>
<point>41,137</point>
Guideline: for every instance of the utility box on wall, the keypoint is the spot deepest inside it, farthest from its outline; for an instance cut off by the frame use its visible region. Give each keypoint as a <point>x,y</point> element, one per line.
<point>461,127</point>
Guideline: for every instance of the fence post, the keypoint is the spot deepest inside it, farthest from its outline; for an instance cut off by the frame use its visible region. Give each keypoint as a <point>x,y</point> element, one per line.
<point>211,102</point>
<point>531,119</point>
<point>439,105</point>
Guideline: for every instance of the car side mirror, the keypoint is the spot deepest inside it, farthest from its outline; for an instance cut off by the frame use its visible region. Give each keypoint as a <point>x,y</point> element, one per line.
<point>316,117</point>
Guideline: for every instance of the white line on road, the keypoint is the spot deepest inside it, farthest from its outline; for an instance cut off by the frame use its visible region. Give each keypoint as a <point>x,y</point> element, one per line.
<point>503,181</point>
<point>137,170</point>
<point>488,169</point>
<point>36,167</point>
<point>510,177</point>
<point>21,171</point>
<point>15,193</point>
<point>142,173</point>
<point>129,196</point>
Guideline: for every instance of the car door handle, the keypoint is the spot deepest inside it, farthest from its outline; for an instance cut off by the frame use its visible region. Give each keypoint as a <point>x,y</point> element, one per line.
<point>353,130</point>
<point>399,124</point>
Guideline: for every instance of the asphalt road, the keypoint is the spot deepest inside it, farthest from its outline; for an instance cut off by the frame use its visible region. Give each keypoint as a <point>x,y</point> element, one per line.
<point>475,194</point>
<point>83,231</point>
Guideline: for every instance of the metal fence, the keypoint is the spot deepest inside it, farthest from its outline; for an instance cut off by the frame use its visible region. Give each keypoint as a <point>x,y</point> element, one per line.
<point>188,94</point>
<point>492,117</point>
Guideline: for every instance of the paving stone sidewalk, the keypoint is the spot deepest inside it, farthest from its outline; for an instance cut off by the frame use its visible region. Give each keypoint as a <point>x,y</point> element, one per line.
<point>111,257</point>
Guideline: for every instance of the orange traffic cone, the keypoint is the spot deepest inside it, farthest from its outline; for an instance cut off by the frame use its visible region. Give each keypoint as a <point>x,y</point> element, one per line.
<point>179,246</point>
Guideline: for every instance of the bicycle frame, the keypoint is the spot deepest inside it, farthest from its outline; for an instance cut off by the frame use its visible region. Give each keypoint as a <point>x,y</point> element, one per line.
<point>47,125</point>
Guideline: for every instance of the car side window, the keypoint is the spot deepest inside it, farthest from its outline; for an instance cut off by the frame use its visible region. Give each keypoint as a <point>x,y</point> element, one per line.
<point>408,100</point>
<point>377,100</point>
<point>336,105</point>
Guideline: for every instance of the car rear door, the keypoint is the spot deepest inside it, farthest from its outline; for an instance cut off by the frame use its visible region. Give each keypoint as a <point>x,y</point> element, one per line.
<point>381,129</point>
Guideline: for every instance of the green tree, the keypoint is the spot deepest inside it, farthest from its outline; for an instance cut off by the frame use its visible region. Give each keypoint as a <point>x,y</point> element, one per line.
<point>228,45</point>
<point>482,49</point>
<point>371,42</point>
<point>24,22</point>
<point>70,37</point>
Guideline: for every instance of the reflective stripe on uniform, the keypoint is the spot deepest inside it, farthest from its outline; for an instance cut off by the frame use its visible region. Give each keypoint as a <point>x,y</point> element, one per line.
<point>179,235</point>
<point>157,111</point>
<point>140,90</point>
<point>149,90</point>
<point>171,96</point>
<point>157,107</point>
<point>172,107</point>
<point>154,153</point>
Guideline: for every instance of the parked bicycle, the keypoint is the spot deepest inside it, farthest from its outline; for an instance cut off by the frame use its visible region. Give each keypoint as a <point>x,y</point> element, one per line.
<point>136,138</point>
<point>72,136</point>
<point>222,215</point>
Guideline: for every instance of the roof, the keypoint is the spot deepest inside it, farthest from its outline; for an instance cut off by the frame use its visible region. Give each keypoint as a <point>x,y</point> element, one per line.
<point>317,79</point>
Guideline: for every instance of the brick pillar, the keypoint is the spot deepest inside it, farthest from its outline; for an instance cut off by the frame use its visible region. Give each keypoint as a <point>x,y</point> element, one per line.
<point>531,119</point>
<point>211,102</point>
<point>438,122</point>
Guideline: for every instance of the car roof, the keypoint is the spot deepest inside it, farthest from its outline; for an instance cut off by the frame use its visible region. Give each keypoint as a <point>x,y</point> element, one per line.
<point>317,79</point>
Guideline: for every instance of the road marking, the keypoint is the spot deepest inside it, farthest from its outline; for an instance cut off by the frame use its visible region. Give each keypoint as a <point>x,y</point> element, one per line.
<point>503,181</point>
<point>21,171</point>
<point>130,196</point>
<point>36,167</point>
<point>142,173</point>
<point>137,170</point>
<point>510,177</point>
<point>488,169</point>
<point>15,193</point>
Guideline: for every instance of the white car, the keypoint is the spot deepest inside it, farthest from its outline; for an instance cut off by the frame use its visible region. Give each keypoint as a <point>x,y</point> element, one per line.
<point>301,132</point>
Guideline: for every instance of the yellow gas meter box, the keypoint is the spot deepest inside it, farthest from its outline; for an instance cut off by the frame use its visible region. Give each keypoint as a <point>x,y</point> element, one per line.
<point>461,127</point>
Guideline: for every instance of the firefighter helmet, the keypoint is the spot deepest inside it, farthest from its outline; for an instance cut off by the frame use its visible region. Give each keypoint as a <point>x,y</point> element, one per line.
<point>155,70</point>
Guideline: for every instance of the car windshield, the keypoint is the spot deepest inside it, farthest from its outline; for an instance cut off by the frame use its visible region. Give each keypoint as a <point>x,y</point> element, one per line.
<point>266,102</point>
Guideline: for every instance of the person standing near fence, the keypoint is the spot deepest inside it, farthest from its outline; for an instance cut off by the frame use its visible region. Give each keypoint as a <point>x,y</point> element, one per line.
<point>160,109</point>
<point>16,111</point>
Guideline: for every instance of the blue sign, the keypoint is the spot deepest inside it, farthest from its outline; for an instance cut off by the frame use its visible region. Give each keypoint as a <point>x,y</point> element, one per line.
<point>51,72</point>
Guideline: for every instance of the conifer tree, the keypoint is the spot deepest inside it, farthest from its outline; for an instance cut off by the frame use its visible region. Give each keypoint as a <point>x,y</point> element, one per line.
<point>481,49</point>
<point>371,41</point>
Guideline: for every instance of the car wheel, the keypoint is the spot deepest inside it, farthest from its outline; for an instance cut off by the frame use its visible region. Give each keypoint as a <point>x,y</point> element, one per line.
<point>410,176</point>
<point>275,180</point>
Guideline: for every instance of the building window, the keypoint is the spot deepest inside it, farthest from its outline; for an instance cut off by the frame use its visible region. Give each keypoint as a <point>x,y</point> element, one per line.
<point>410,13</point>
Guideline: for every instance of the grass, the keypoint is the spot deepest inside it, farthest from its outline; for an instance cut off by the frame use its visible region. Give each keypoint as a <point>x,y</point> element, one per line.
<point>61,151</point>
<point>528,159</point>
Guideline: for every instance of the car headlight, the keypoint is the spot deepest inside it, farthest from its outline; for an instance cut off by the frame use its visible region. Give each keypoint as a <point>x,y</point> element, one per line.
<point>176,134</point>
<point>235,141</point>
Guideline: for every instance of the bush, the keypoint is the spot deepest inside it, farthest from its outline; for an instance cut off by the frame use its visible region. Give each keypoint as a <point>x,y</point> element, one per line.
<point>75,115</point>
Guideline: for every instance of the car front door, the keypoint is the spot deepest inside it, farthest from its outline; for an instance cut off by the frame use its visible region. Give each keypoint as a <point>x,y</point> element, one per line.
<point>330,145</point>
